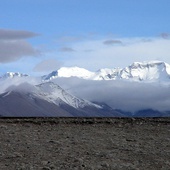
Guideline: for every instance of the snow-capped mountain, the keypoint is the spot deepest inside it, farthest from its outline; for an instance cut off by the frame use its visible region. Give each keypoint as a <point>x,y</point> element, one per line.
<point>23,95</point>
<point>80,73</point>
<point>55,94</point>
<point>155,70</point>
<point>138,71</point>
<point>69,72</point>
<point>48,99</point>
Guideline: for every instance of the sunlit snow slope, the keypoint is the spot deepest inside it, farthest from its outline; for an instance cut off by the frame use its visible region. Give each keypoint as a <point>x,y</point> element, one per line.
<point>138,71</point>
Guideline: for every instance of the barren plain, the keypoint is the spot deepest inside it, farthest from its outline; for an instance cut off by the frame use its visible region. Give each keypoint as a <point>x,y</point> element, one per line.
<point>85,144</point>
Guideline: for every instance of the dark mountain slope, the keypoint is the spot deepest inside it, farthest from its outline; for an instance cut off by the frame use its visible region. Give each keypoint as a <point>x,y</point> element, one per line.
<point>17,104</point>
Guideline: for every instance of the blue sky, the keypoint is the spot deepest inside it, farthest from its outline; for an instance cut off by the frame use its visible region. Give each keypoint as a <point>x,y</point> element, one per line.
<point>41,35</point>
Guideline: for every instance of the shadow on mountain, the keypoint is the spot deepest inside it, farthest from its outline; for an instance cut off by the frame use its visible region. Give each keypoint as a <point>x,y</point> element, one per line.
<point>16,104</point>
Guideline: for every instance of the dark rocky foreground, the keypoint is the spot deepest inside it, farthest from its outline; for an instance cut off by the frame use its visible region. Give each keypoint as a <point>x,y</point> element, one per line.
<point>90,143</point>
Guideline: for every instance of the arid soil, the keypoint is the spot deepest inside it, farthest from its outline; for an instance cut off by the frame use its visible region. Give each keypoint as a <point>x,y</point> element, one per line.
<point>85,143</point>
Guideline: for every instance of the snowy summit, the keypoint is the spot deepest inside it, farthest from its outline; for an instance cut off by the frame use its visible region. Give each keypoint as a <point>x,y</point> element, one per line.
<point>137,71</point>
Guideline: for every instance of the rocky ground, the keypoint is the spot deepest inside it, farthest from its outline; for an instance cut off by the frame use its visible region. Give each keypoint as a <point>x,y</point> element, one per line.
<point>77,143</point>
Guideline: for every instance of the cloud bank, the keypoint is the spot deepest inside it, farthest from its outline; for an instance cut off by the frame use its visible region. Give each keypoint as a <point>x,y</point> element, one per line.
<point>124,95</point>
<point>5,84</point>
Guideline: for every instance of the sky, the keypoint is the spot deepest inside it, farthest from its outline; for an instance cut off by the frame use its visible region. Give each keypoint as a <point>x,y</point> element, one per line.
<point>39,36</point>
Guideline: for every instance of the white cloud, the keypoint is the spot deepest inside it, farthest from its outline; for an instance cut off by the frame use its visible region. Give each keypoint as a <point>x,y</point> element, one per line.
<point>5,84</point>
<point>119,55</point>
<point>124,95</point>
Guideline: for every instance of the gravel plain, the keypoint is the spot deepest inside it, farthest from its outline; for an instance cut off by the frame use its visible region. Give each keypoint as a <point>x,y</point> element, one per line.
<point>84,144</point>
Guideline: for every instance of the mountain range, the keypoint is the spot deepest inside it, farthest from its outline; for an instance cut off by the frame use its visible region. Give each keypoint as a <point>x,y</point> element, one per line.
<point>48,99</point>
<point>138,71</point>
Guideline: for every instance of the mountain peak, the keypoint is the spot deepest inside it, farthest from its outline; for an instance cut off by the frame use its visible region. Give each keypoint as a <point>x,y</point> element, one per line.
<point>74,72</point>
<point>147,71</point>
<point>55,94</point>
